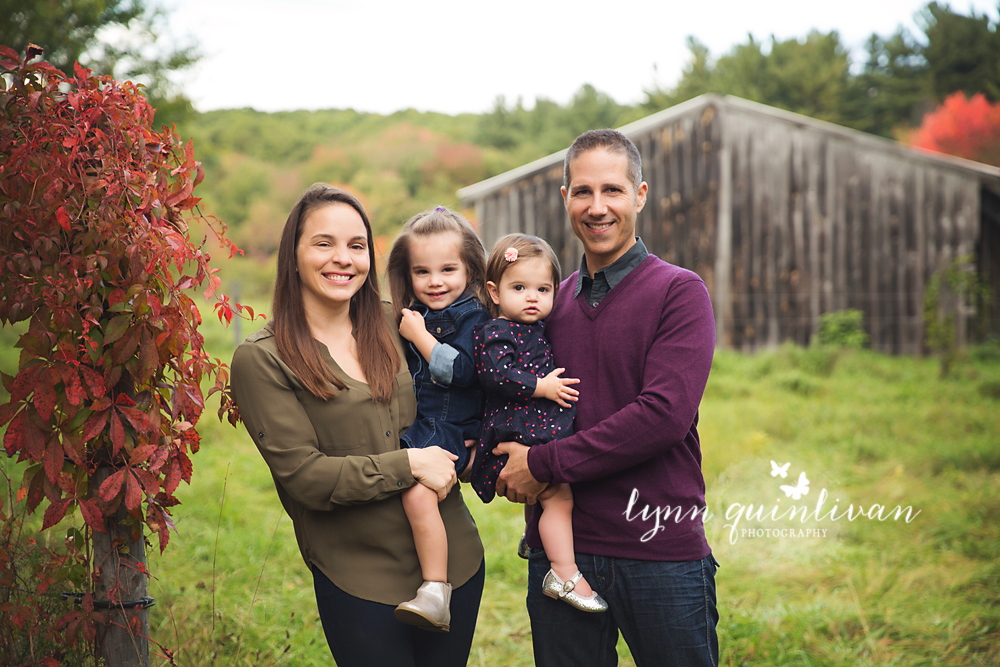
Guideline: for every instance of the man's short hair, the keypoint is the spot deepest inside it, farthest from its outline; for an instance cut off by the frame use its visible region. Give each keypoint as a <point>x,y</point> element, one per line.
<point>612,141</point>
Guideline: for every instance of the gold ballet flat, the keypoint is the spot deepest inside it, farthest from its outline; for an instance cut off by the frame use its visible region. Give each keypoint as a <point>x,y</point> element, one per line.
<point>556,588</point>
<point>430,610</point>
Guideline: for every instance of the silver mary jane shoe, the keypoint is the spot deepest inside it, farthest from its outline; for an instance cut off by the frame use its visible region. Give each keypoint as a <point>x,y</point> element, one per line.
<point>430,610</point>
<point>556,588</point>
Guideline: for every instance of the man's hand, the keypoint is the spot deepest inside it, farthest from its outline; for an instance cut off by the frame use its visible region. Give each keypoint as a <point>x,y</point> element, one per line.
<point>516,482</point>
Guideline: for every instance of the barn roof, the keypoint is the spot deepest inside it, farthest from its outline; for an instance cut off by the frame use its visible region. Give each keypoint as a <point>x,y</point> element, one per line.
<point>990,176</point>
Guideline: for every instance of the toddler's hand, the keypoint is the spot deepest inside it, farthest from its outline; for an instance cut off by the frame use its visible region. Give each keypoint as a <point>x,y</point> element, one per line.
<point>411,325</point>
<point>557,389</point>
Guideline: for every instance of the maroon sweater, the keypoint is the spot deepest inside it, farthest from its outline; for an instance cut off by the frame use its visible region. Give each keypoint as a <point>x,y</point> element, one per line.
<point>643,358</point>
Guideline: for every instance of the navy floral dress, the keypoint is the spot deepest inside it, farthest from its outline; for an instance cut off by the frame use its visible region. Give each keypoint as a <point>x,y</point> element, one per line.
<point>510,357</point>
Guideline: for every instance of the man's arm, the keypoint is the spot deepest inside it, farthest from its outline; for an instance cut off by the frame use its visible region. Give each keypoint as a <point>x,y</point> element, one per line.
<point>676,371</point>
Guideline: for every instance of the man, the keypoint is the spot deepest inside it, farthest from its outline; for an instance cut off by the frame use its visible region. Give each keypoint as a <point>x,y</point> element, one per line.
<point>639,334</point>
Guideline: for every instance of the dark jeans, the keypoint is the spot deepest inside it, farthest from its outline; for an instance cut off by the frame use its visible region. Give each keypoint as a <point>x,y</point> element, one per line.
<point>665,610</point>
<point>362,633</point>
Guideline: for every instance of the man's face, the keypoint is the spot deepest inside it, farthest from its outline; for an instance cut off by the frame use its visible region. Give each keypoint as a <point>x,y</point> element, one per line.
<point>602,205</point>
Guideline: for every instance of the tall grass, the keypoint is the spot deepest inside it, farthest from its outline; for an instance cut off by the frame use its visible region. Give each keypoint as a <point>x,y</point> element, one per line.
<point>231,588</point>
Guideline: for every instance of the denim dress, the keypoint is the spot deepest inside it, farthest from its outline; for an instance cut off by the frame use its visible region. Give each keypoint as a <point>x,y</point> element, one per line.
<point>449,399</point>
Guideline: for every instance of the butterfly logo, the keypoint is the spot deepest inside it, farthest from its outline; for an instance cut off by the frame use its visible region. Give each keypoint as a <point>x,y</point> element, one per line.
<point>779,470</point>
<point>800,489</point>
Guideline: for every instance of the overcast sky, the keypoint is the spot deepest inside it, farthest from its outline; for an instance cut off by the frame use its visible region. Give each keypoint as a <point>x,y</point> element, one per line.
<point>457,56</point>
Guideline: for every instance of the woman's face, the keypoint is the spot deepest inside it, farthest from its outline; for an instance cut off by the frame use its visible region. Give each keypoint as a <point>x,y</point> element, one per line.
<point>332,256</point>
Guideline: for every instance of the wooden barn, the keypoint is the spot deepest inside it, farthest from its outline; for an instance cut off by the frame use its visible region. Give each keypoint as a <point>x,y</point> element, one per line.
<point>784,217</point>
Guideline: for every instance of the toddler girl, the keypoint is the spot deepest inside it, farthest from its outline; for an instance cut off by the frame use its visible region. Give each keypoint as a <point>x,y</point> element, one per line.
<point>526,400</point>
<point>437,275</point>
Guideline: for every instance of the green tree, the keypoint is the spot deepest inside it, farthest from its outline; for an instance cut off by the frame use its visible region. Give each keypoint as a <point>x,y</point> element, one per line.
<point>591,109</point>
<point>903,77</point>
<point>72,31</point>
<point>893,88</point>
<point>962,52</point>
<point>808,76</point>
<point>527,134</point>
<point>501,127</point>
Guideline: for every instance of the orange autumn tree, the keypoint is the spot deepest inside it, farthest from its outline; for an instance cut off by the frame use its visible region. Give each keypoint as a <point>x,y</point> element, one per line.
<point>964,127</point>
<point>97,260</point>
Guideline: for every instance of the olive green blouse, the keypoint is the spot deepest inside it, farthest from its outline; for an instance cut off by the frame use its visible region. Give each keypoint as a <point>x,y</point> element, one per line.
<point>339,470</point>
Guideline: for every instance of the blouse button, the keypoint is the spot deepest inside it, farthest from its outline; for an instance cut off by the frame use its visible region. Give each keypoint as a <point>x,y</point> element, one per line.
<point>399,484</point>
<point>388,433</point>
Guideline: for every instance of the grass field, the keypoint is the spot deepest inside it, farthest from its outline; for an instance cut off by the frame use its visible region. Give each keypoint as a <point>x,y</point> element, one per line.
<point>231,588</point>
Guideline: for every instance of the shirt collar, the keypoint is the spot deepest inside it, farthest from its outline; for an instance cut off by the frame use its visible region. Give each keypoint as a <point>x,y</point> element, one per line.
<point>618,269</point>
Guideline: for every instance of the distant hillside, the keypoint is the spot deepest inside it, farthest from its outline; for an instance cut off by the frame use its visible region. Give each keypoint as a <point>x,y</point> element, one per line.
<point>257,164</point>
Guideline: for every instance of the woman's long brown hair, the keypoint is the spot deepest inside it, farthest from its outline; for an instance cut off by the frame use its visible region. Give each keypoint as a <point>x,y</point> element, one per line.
<point>377,352</point>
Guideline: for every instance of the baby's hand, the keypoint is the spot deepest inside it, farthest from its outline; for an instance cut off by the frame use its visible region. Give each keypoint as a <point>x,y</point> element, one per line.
<point>411,325</point>
<point>557,389</point>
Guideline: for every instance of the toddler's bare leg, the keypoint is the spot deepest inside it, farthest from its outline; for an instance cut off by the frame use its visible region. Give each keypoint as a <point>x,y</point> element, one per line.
<point>421,506</point>
<point>555,527</point>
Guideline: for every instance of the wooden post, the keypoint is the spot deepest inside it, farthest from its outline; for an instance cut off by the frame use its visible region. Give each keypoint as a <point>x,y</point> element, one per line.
<point>122,641</point>
<point>724,252</point>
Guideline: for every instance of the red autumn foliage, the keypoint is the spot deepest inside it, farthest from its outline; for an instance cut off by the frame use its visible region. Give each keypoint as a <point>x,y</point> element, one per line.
<point>96,258</point>
<point>964,127</point>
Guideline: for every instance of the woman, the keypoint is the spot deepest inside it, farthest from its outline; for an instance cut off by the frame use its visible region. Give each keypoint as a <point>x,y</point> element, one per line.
<point>325,396</point>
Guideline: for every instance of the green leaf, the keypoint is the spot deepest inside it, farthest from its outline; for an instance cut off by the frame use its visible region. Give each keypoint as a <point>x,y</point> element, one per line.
<point>116,328</point>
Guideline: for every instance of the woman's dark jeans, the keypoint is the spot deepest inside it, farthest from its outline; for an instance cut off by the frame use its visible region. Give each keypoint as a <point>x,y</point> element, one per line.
<point>362,633</point>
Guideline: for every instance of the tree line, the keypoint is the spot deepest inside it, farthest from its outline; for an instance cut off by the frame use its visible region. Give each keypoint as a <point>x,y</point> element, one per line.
<point>903,77</point>
<point>257,164</point>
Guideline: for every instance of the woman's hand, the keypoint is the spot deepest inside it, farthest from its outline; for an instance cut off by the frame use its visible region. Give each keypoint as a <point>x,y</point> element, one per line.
<point>434,468</point>
<point>556,388</point>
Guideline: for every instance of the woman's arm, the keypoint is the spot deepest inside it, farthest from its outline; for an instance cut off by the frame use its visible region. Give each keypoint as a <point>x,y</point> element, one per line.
<point>264,390</point>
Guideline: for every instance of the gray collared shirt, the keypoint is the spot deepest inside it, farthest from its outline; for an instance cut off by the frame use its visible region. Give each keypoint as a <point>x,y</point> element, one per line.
<point>604,281</point>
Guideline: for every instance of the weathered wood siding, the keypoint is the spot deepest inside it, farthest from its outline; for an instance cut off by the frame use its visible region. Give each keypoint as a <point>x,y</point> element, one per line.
<point>820,223</point>
<point>783,220</point>
<point>988,254</point>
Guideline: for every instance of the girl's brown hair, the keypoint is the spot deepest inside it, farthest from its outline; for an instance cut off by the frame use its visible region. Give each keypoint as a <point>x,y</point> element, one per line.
<point>527,247</point>
<point>435,221</point>
<point>377,352</point>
